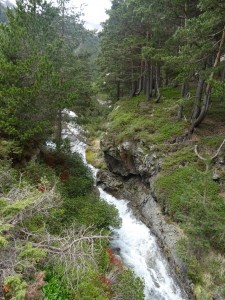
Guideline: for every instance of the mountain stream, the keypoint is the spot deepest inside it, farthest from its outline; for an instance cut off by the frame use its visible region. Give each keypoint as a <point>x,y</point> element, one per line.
<point>138,247</point>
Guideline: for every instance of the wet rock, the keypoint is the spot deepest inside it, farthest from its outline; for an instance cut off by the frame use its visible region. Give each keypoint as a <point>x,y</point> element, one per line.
<point>132,171</point>
<point>129,158</point>
<point>108,183</point>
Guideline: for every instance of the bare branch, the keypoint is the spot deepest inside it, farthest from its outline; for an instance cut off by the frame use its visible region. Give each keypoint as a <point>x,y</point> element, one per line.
<point>218,151</point>
<point>212,157</point>
<point>199,156</point>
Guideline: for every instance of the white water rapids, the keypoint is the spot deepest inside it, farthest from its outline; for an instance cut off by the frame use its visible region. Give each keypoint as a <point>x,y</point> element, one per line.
<point>138,247</point>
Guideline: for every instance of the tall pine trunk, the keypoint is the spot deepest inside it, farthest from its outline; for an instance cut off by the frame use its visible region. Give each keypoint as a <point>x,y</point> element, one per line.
<point>118,90</point>
<point>205,106</point>
<point>198,98</point>
<point>157,83</point>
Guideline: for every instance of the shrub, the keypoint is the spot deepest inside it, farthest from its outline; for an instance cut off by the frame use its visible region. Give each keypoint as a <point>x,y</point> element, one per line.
<point>192,198</point>
<point>15,287</point>
<point>55,288</point>
<point>91,210</point>
<point>129,287</point>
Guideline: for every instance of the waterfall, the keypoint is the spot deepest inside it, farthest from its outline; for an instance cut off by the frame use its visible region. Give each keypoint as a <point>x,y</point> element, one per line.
<point>138,246</point>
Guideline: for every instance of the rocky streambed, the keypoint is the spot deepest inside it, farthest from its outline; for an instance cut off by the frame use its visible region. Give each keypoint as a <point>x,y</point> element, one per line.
<point>130,175</point>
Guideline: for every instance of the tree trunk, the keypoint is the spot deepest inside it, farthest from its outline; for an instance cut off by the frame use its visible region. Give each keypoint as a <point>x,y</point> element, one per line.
<point>198,98</point>
<point>157,83</point>
<point>150,80</point>
<point>180,112</point>
<point>118,90</point>
<point>148,89</point>
<point>59,127</point>
<point>133,89</point>
<point>147,81</point>
<point>207,96</point>
<point>184,89</point>
<point>140,82</point>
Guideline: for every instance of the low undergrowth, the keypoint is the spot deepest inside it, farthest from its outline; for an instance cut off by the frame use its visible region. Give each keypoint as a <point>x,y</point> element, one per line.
<point>189,195</point>
<point>54,234</point>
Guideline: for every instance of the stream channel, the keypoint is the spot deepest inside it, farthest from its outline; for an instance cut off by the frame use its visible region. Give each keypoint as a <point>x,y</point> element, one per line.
<point>138,246</point>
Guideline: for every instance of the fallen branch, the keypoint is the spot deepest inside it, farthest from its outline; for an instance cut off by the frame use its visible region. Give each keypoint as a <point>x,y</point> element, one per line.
<point>212,157</point>
<point>64,249</point>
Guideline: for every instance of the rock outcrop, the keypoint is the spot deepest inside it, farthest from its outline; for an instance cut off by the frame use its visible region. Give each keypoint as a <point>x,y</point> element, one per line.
<point>131,176</point>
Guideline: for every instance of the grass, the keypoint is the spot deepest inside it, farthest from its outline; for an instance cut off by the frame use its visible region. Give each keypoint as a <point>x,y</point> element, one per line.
<point>148,122</point>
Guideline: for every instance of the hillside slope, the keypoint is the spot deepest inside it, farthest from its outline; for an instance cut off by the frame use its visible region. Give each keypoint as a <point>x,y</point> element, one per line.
<point>148,142</point>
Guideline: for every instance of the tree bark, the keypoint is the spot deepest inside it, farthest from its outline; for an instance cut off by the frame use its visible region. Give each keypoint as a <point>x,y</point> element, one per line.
<point>140,81</point>
<point>59,127</point>
<point>207,97</point>
<point>147,81</point>
<point>133,89</point>
<point>118,90</point>
<point>157,83</point>
<point>184,89</point>
<point>198,98</point>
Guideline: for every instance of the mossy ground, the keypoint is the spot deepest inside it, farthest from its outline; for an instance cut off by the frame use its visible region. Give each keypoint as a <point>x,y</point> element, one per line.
<point>185,186</point>
<point>148,122</point>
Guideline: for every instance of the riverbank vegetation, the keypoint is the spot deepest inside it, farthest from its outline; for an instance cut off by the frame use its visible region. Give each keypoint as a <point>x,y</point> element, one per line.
<point>54,228</point>
<point>55,234</point>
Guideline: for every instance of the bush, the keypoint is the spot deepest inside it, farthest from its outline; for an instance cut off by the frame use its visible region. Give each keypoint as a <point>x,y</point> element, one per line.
<point>91,210</point>
<point>15,287</point>
<point>192,198</point>
<point>129,287</point>
<point>55,288</point>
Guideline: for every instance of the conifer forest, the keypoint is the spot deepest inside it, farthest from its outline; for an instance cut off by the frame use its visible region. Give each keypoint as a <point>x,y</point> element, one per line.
<point>140,103</point>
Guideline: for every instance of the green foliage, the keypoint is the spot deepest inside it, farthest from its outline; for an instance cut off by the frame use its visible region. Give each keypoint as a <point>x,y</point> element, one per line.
<point>92,115</point>
<point>43,70</point>
<point>90,156</point>
<point>194,270</point>
<point>16,286</point>
<point>3,203</point>
<point>37,174</point>
<point>8,177</point>
<point>180,158</point>
<point>4,227</point>
<point>31,254</point>
<point>3,242</point>
<point>90,210</point>
<point>79,181</point>
<point>55,288</point>
<point>218,88</point>
<point>9,147</point>
<point>91,287</point>
<point>192,198</point>
<point>16,207</point>
<point>76,186</point>
<point>129,287</point>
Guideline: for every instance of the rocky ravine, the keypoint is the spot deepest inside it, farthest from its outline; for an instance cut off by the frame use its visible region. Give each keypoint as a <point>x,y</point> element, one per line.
<point>131,175</point>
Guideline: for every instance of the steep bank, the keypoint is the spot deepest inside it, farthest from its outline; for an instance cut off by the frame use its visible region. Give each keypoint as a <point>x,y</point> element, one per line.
<point>134,186</point>
<point>170,188</point>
